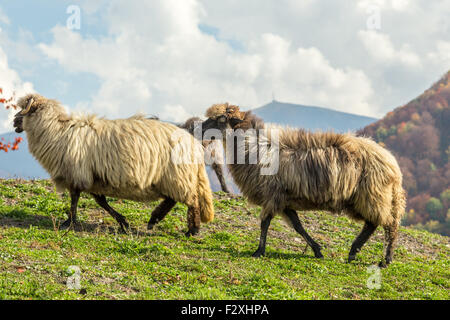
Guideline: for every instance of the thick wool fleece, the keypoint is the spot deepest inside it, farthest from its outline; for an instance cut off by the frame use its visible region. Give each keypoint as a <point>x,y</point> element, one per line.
<point>124,158</point>
<point>324,170</point>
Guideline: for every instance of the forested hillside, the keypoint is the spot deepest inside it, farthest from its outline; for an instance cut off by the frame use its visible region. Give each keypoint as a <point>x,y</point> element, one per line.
<point>418,133</point>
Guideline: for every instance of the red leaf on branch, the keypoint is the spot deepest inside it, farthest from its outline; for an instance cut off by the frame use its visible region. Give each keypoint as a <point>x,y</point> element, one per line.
<point>9,104</point>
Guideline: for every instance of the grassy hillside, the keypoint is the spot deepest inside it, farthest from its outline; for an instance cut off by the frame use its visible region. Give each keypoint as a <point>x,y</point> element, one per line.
<point>217,264</point>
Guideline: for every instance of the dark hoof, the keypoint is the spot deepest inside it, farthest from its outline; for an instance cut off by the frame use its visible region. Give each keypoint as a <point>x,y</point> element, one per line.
<point>66,224</point>
<point>124,226</point>
<point>150,226</point>
<point>383,264</point>
<point>351,258</point>
<point>257,254</point>
<point>318,255</point>
<point>192,232</point>
<point>317,252</point>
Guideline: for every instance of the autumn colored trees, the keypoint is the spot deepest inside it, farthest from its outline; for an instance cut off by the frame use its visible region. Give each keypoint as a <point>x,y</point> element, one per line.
<point>419,134</point>
<point>8,103</point>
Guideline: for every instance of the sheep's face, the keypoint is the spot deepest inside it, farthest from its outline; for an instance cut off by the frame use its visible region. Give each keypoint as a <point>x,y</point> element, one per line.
<point>29,105</point>
<point>222,117</point>
<point>18,123</point>
<point>191,124</point>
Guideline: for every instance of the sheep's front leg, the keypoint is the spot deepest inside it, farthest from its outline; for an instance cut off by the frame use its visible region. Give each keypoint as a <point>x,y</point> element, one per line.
<point>74,197</point>
<point>218,169</point>
<point>361,239</point>
<point>160,212</point>
<point>193,221</point>
<point>265,223</point>
<point>293,217</point>
<point>101,201</point>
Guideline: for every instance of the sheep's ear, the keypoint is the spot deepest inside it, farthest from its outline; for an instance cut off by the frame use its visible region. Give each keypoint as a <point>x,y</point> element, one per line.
<point>235,121</point>
<point>28,108</point>
<point>222,119</point>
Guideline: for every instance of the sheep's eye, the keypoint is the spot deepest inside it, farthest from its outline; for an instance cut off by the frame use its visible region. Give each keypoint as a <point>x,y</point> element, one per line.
<point>222,119</point>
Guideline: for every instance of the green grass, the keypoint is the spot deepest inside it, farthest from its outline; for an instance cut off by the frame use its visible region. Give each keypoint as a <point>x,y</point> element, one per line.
<point>217,264</point>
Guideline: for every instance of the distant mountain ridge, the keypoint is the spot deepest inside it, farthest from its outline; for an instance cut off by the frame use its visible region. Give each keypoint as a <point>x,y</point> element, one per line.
<point>311,117</point>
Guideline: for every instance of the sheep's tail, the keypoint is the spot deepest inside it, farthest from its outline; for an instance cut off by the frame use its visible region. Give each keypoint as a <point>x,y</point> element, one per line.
<point>391,230</point>
<point>398,201</point>
<point>205,198</point>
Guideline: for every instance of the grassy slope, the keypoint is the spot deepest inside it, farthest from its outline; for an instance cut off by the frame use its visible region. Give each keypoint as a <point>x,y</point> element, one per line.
<point>217,264</point>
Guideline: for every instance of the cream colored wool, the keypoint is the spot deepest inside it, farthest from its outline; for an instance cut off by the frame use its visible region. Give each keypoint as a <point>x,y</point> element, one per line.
<point>124,158</point>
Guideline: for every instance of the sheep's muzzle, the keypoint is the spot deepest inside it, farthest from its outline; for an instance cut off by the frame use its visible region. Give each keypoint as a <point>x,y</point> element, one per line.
<point>18,118</point>
<point>18,122</point>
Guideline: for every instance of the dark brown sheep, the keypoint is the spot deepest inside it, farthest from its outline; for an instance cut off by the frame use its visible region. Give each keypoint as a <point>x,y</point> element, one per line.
<point>189,125</point>
<point>324,170</point>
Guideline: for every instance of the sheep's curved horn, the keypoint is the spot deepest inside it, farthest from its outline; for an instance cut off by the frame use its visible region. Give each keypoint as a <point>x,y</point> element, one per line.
<point>27,109</point>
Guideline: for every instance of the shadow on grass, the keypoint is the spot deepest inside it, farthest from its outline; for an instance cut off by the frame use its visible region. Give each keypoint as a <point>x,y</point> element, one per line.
<point>270,254</point>
<point>21,218</point>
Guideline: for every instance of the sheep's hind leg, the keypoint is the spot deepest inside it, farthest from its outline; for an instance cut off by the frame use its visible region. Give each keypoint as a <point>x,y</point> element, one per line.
<point>361,239</point>
<point>293,217</point>
<point>218,169</point>
<point>72,220</point>
<point>193,217</point>
<point>265,223</point>
<point>160,212</point>
<point>101,201</point>
<point>390,234</point>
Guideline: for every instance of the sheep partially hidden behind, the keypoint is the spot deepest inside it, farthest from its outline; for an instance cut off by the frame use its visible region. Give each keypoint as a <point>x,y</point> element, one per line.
<point>326,171</point>
<point>125,158</point>
<point>210,153</point>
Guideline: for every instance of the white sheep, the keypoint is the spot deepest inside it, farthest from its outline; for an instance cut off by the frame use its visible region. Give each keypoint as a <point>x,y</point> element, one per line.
<point>124,158</point>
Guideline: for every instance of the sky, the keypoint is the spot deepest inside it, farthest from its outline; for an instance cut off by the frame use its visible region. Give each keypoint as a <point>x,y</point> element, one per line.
<point>173,59</point>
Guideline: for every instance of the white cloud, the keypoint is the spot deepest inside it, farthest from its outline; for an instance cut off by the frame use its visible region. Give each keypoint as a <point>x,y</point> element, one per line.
<point>175,113</point>
<point>413,29</point>
<point>441,56</point>
<point>380,47</point>
<point>397,5</point>
<point>11,84</point>
<point>21,49</point>
<point>152,57</point>
<point>158,61</point>
<point>4,18</point>
<point>304,74</point>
